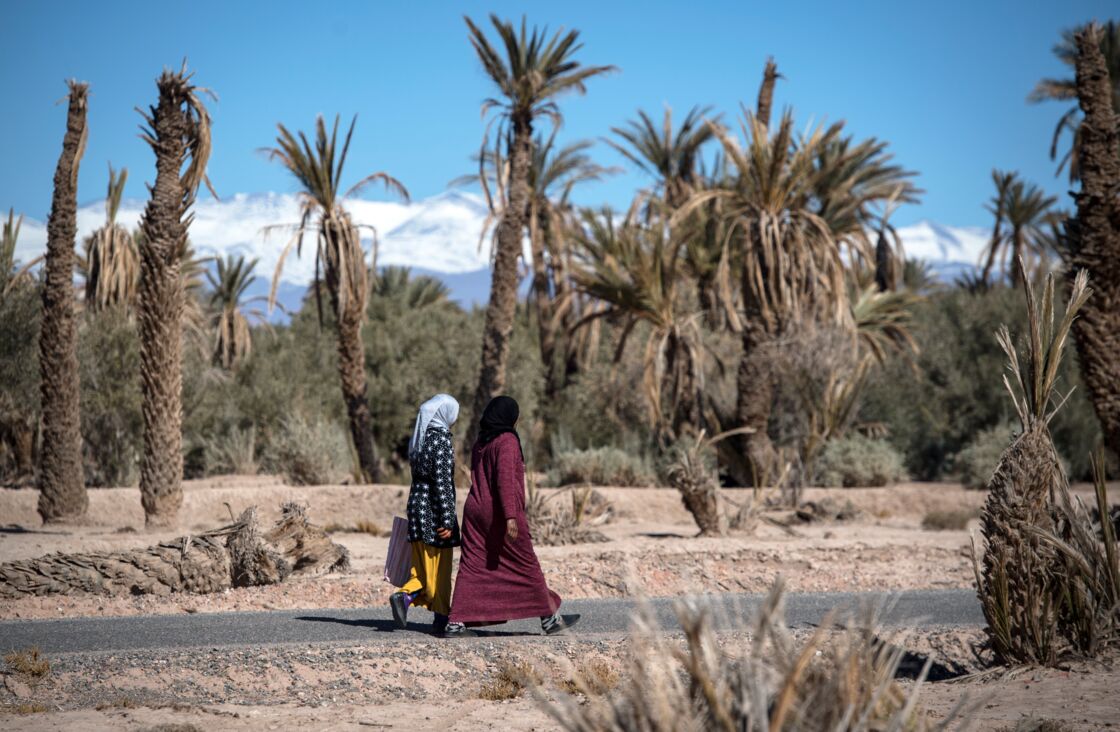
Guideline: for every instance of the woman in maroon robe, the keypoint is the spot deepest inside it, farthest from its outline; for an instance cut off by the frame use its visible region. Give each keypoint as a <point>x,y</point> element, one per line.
<point>499,576</point>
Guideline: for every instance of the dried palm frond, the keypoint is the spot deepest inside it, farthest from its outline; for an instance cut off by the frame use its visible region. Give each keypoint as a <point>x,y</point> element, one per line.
<point>112,259</point>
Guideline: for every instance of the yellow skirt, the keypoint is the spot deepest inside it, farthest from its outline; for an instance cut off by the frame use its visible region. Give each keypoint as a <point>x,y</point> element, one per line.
<point>431,577</point>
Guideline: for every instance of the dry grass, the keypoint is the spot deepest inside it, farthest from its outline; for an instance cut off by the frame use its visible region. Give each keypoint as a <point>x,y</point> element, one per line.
<point>1033,724</point>
<point>511,681</point>
<point>846,681</point>
<point>24,708</point>
<point>949,520</point>
<point>593,677</point>
<point>28,662</point>
<point>117,702</point>
<point>559,525</point>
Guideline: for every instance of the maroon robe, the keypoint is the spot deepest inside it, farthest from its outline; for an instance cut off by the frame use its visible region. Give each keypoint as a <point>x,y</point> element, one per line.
<point>498,580</point>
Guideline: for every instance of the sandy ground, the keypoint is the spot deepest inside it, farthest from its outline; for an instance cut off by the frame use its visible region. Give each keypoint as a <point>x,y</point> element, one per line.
<point>652,548</point>
<point>436,684</point>
<point>376,685</point>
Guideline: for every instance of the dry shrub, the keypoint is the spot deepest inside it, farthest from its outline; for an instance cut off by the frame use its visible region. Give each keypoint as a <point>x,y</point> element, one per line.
<point>24,708</point>
<point>559,525</point>
<point>308,452</point>
<point>950,520</point>
<point>233,454</point>
<point>844,682</point>
<point>857,461</point>
<point>1048,585</point>
<point>593,677</point>
<point>975,463</point>
<point>511,681</point>
<point>28,662</point>
<point>117,702</point>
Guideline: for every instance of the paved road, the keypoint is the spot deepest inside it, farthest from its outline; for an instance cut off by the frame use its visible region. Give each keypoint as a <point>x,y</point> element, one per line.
<point>917,608</point>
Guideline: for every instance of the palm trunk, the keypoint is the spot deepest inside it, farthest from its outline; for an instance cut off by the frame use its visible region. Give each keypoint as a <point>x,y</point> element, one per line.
<point>543,293</point>
<point>886,279</point>
<point>1016,252</point>
<point>1094,238</point>
<point>766,92</point>
<point>352,372</point>
<point>502,309</point>
<point>756,395</point>
<point>160,309</point>
<point>993,245</point>
<point>62,495</point>
<point>350,314</point>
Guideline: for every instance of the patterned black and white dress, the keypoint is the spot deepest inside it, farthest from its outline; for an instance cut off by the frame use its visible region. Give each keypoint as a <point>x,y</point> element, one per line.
<point>431,499</point>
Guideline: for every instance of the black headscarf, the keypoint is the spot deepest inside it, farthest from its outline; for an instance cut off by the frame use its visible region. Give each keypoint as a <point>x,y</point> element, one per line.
<point>499,417</point>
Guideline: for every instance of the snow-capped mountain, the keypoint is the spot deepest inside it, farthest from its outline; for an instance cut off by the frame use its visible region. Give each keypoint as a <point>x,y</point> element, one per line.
<point>437,235</point>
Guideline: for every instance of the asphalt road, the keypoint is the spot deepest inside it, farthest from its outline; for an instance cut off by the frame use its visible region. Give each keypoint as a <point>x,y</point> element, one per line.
<point>81,635</point>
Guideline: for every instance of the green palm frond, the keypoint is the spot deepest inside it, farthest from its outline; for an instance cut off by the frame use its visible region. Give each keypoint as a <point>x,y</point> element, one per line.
<point>318,168</point>
<point>671,158</point>
<point>232,317</point>
<point>398,285</point>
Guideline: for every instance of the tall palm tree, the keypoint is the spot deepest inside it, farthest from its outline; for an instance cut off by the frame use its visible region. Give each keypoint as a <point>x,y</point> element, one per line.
<point>1003,180</point>
<point>553,174</point>
<point>534,71</point>
<point>1029,215</point>
<point>232,317</point>
<point>1092,240</point>
<point>339,256</point>
<point>62,491</point>
<point>179,134</point>
<point>111,264</point>
<point>1066,90</point>
<point>789,261</point>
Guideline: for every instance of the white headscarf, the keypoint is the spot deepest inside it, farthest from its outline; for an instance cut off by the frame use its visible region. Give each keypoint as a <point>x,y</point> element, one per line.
<point>440,411</point>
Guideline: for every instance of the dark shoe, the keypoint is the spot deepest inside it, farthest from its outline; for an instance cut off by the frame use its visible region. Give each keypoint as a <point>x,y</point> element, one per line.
<point>439,624</point>
<point>458,630</point>
<point>398,602</point>
<point>558,623</point>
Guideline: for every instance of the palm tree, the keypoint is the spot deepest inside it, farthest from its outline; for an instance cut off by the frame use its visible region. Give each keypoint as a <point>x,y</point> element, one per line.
<point>789,261</point>
<point>535,71</point>
<point>231,326</point>
<point>1003,180</point>
<point>179,133</point>
<point>1092,240</point>
<point>672,159</point>
<point>411,293</point>
<point>62,491</point>
<point>11,273</point>
<point>111,263</point>
<point>1066,90</point>
<point>1029,214</point>
<point>339,256</point>
<point>636,271</point>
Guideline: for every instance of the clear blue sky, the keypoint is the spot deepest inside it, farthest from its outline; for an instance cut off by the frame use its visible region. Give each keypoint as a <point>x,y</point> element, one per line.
<point>944,82</point>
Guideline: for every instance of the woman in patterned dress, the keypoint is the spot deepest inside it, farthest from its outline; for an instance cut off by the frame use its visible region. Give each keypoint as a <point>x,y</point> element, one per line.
<point>432,526</point>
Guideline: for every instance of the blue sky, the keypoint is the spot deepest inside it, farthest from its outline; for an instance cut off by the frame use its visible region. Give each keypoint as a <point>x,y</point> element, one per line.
<point>945,83</point>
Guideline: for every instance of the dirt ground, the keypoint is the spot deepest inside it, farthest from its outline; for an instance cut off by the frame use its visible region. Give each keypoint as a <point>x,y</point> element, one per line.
<point>432,684</point>
<point>652,547</point>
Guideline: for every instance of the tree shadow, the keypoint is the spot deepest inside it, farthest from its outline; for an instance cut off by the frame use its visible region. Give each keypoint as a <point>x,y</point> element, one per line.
<point>385,625</point>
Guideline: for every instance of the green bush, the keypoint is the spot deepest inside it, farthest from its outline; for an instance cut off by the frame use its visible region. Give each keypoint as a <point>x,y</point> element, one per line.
<point>308,452</point>
<point>20,309</point>
<point>934,411</point>
<point>976,462</point>
<point>601,466</point>
<point>859,462</point>
<point>232,454</point>
<point>112,421</point>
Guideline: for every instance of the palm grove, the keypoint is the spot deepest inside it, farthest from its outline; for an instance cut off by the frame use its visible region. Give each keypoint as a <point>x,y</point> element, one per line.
<point>748,320</point>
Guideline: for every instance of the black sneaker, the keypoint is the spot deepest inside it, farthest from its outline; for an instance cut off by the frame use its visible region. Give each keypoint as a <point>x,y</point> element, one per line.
<point>398,602</point>
<point>558,623</point>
